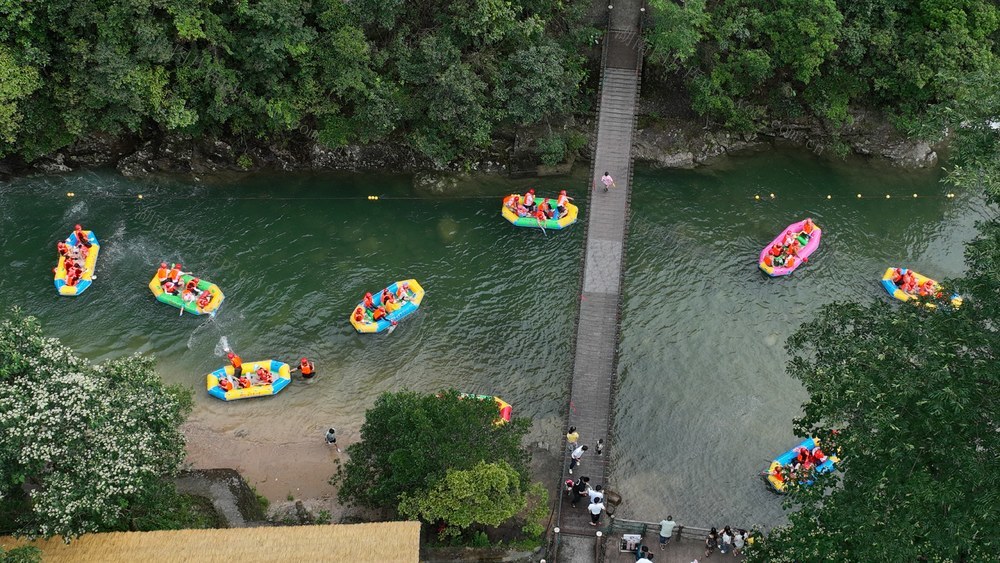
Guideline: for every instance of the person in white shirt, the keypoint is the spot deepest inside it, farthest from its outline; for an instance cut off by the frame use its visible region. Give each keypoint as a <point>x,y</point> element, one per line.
<point>596,508</point>
<point>575,458</point>
<point>666,531</point>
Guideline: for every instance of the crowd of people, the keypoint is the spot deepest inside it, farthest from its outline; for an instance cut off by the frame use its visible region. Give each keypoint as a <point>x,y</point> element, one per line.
<point>389,303</point>
<point>170,282</point>
<point>526,206</point>
<point>74,256</point>
<point>906,281</point>
<point>729,540</point>
<point>785,252</point>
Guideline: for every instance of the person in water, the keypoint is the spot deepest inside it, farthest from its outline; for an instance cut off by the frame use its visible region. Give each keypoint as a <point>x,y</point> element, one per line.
<point>307,368</point>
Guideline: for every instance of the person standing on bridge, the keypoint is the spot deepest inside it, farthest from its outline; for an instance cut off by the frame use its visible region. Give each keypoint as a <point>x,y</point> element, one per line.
<point>596,508</point>
<point>572,437</point>
<point>574,458</point>
<point>666,531</point>
<point>608,181</point>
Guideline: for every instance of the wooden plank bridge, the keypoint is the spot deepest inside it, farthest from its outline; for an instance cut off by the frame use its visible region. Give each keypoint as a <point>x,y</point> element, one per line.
<point>595,361</point>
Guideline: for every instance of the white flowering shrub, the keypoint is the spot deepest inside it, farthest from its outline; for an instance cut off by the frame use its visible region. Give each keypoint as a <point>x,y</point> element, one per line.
<point>83,448</point>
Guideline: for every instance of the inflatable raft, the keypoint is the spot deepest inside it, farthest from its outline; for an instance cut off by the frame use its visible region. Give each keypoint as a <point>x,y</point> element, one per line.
<point>562,222</point>
<point>505,409</point>
<point>88,267</point>
<point>175,300</point>
<point>279,370</point>
<point>894,290</point>
<point>786,264</point>
<point>402,308</point>
<point>774,476</point>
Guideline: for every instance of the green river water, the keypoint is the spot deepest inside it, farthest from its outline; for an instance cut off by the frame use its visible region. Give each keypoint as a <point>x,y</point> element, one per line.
<point>703,399</point>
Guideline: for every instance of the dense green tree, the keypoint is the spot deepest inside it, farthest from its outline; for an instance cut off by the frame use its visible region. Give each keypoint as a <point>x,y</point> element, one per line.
<point>25,554</point>
<point>907,396</point>
<point>335,71</point>
<point>83,448</point>
<point>744,59</point>
<point>410,441</point>
<point>488,494</point>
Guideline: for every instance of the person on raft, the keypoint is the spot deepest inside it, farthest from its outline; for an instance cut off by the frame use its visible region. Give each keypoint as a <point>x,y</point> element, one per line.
<point>307,368</point>
<point>529,200</point>
<point>403,291</point>
<point>512,201</point>
<point>225,383</point>
<point>359,314</point>
<point>368,302</point>
<point>561,202</point>
<point>264,376</point>
<point>245,382</point>
<point>204,299</point>
<point>237,362</point>
<point>82,240</point>
<point>162,272</point>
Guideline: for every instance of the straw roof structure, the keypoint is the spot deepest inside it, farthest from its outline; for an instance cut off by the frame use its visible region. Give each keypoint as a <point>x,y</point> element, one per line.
<point>376,543</point>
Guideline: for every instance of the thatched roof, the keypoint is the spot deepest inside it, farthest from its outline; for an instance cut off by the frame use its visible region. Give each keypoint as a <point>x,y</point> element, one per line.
<point>378,542</point>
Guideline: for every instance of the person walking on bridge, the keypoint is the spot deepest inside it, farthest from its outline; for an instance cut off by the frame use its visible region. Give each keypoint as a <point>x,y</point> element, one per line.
<point>574,458</point>
<point>608,181</point>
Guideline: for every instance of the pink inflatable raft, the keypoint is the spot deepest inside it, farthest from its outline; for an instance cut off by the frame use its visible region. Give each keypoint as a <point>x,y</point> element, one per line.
<point>790,248</point>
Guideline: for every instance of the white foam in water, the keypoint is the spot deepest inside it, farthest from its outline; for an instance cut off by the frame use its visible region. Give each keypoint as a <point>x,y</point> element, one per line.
<point>222,347</point>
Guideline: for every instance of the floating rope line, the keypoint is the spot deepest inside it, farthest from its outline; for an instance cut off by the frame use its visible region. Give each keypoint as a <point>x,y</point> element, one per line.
<point>771,196</point>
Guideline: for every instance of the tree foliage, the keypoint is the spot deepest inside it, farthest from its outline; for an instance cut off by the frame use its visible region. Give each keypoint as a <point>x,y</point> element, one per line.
<point>409,443</point>
<point>83,448</point>
<point>742,59</point>
<point>339,72</point>
<point>912,393</point>
<point>489,494</point>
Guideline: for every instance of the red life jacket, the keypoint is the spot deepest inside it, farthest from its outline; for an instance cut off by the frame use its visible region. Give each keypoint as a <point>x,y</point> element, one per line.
<point>205,298</point>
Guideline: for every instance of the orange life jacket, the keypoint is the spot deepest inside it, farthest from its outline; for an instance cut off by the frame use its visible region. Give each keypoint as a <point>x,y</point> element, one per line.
<point>307,368</point>
<point>808,226</point>
<point>225,384</point>
<point>237,363</point>
<point>174,274</point>
<point>563,200</point>
<point>161,274</point>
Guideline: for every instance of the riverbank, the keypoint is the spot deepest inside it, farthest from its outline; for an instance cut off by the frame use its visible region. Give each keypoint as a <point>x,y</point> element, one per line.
<point>669,135</point>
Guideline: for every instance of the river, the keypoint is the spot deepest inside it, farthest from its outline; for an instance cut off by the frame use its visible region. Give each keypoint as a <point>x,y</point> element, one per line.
<point>704,399</point>
<point>704,402</point>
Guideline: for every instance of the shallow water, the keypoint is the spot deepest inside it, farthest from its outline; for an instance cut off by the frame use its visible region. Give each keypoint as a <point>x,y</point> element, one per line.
<point>704,401</point>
